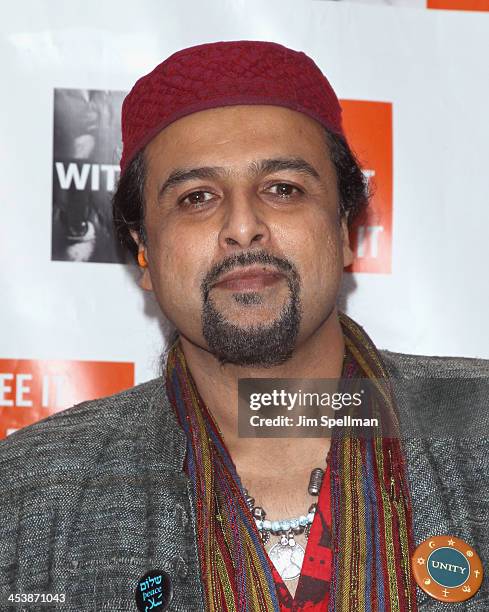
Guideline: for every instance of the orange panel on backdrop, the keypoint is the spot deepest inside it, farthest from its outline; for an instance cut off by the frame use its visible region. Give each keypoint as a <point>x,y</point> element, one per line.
<point>459,5</point>
<point>31,390</point>
<point>368,126</point>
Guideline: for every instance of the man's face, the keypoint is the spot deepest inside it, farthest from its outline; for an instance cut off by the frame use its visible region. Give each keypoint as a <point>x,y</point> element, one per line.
<point>245,243</point>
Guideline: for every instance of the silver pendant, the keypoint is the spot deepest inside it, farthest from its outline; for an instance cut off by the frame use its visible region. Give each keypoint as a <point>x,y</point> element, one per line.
<point>287,560</point>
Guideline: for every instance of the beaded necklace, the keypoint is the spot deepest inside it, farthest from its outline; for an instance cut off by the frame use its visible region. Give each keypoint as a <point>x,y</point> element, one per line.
<point>287,554</point>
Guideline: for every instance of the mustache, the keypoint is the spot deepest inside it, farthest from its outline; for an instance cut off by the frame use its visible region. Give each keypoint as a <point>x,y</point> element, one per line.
<point>241,260</point>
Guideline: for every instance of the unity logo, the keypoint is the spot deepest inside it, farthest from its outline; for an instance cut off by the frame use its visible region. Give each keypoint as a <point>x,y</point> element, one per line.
<point>447,568</point>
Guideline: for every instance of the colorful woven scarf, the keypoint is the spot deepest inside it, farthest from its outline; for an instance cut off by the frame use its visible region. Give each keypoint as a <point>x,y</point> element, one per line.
<point>372,537</point>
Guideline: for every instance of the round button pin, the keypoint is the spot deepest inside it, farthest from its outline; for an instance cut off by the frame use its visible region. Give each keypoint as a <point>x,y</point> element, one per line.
<point>153,591</point>
<point>447,568</point>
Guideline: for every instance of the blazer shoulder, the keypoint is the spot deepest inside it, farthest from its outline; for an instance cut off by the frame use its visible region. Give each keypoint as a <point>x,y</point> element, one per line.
<point>440,397</point>
<point>87,422</point>
<point>403,365</point>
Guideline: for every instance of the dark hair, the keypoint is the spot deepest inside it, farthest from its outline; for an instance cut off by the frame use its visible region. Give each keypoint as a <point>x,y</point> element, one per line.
<point>352,183</point>
<point>128,200</point>
<point>128,204</point>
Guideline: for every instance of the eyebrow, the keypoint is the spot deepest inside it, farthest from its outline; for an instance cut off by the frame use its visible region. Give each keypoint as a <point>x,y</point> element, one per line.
<point>255,168</point>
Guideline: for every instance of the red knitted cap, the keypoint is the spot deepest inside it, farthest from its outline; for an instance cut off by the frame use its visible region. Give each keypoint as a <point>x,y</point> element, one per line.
<point>225,74</point>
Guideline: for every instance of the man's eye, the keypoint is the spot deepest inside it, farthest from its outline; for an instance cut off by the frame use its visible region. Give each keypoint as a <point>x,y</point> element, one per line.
<point>195,199</point>
<point>284,190</point>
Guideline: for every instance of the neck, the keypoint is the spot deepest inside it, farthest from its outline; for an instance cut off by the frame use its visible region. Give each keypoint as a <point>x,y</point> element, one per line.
<point>318,356</point>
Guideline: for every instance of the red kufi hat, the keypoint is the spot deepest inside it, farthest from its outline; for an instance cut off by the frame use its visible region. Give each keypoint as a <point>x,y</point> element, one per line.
<point>225,74</point>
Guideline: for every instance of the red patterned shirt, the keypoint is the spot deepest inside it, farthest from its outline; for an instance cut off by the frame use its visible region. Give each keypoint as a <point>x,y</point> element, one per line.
<point>312,593</point>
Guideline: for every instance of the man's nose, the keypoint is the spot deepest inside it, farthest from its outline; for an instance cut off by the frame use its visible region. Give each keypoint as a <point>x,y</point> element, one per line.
<point>244,224</point>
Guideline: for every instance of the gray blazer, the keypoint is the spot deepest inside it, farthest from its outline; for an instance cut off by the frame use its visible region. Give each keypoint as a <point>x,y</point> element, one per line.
<point>94,497</point>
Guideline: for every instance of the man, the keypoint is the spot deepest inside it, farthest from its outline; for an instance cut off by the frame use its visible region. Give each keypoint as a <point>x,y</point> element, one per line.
<point>237,188</point>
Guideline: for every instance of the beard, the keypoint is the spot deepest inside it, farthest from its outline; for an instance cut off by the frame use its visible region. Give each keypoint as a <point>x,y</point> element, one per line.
<point>263,345</point>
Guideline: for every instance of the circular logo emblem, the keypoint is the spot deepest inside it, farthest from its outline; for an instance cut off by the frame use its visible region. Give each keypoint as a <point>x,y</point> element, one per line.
<point>153,591</point>
<point>447,568</point>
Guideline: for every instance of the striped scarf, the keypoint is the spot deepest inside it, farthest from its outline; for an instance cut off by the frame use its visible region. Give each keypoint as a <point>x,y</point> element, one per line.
<point>372,537</point>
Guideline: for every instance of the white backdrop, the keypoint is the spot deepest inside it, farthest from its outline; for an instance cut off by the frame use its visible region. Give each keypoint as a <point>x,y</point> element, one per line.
<point>431,65</point>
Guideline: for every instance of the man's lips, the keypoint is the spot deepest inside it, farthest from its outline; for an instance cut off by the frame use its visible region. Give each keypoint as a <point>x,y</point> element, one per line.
<point>249,279</point>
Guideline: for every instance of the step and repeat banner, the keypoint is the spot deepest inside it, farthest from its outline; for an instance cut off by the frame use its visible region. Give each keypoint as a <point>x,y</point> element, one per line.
<point>414,87</point>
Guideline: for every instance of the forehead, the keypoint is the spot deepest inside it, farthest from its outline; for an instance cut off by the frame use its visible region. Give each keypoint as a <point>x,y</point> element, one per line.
<point>236,135</point>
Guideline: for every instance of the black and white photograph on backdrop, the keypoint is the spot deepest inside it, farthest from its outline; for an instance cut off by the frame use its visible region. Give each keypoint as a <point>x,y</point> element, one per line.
<point>86,149</point>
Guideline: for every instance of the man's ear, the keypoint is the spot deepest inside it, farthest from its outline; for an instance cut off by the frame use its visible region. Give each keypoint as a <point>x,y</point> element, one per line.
<point>345,238</point>
<point>145,280</point>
